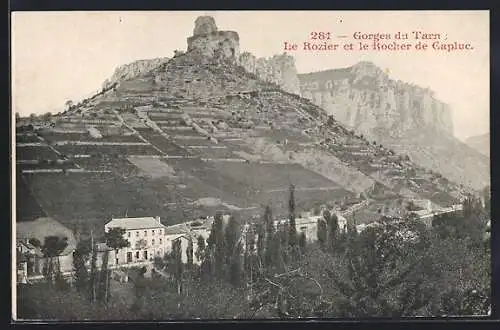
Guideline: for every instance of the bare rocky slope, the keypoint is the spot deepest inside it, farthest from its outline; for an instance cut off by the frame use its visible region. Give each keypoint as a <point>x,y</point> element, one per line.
<point>480,143</point>
<point>133,69</point>
<point>199,127</point>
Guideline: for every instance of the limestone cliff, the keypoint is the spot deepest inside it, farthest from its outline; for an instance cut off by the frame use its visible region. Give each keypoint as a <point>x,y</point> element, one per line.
<point>134,69</point>
<point>364,98</point>
<point>279,69</point>
<point>401,116</point>
<point>212,43</point>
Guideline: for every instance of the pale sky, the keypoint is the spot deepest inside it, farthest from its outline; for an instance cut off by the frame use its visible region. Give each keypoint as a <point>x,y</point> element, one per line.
<point>58,56</point>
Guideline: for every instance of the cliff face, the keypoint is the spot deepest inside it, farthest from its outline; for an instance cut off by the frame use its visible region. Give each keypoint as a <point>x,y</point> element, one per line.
<point>134,69</point>
<point>279,69</point>
<point>365,99</point>
<point>401,116</point>
<point>212,43</point>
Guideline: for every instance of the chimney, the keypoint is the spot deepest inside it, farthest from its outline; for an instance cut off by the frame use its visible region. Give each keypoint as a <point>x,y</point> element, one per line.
<point>158,219</point>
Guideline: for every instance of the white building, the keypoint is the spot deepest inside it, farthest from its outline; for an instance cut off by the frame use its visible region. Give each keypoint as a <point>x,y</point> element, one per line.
<point>146,236</point>
<point>149,238</point>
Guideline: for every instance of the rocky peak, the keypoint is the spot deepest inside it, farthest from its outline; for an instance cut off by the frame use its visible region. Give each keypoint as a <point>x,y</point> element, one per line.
<point>366,68</point>
<point>134,69</point>
<point>278,69</point>
<point>204,25</point>
<point>210,42</point>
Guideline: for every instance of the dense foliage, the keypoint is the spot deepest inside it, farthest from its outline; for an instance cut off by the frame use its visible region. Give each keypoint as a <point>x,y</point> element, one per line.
<point>395,268</point>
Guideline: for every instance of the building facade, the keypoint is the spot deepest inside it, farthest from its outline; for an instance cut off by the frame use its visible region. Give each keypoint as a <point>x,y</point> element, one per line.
<point>146,236</point>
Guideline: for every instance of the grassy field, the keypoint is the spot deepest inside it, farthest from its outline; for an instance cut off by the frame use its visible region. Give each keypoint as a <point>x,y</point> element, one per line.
<point>27,208</point>
<point>162,143</point>
<point>36,152</point>
<point>93,198</point>
<point>26,138</point>
<point>274,176</point>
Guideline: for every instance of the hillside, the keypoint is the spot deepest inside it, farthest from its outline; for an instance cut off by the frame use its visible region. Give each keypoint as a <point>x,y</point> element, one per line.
<point>198,133</point>
<point>399,115</point>
<point>480,143</point>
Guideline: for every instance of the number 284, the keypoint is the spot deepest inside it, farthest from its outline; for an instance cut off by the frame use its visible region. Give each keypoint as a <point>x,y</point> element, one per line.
<point>320,35</point>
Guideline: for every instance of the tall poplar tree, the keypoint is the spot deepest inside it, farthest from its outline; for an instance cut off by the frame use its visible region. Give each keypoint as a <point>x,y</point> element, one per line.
<point>292,226</point>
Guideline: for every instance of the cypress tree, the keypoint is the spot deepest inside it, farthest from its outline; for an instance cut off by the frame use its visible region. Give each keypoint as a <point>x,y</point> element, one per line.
<point>270,250</point>
<point>261,242</point>
<point>292,226</point>
<point>322,233</point>
<point>236,266</point>
<point>231,236</point>
<point>333,231</point>
<point>302,242</point>
<point>189,254</point>
<point>219,245</point>
<point>80,258</point>
<point>178,265</point>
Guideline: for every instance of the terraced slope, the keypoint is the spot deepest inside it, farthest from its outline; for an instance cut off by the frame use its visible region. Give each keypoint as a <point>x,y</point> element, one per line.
<point>193,136</point>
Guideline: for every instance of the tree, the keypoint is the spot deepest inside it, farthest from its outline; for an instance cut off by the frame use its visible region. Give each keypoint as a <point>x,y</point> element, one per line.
<point>388,271</point>
<point>270,235</point>
<point>35,242</point>
<point>333,231</point>
<point>200,252</point>
<point>261,242</point>
<point>232,237</point>
<point>292,226</point>
<point>252,257</point>
<point>302,242</point>
<point>236,265</point>
<point>322,233</point>
<point>216,245</point>
<point>52,247</point>
<point>189,254</point>
<point>115,239</point>
<point>178,266</point>
<point>47,116</point>
<point>330,121</point>
<point>80,258</point>
<point>104,278</point>
<point>18,116</point>
<point>69,104</point>
<point>93,270</point>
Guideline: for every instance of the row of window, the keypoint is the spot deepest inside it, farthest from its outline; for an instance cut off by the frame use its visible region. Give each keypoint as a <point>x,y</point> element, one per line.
<point>129,234</point>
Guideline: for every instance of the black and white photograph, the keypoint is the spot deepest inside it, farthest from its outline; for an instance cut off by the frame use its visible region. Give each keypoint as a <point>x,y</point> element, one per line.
<point>250,165</point>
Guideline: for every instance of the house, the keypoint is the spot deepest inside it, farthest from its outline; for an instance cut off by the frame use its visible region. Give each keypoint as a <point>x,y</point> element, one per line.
<point>22,267</point>
<point>189,231</point>
<point>146,236</point>
<point>37,231</point>
<point>103,251</point>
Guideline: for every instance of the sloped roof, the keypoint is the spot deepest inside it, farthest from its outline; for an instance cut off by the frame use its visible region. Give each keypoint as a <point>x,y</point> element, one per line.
<point>44,227</point>
<point>135,223</point>
<point>101,247</point>
<point>177,229</point>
